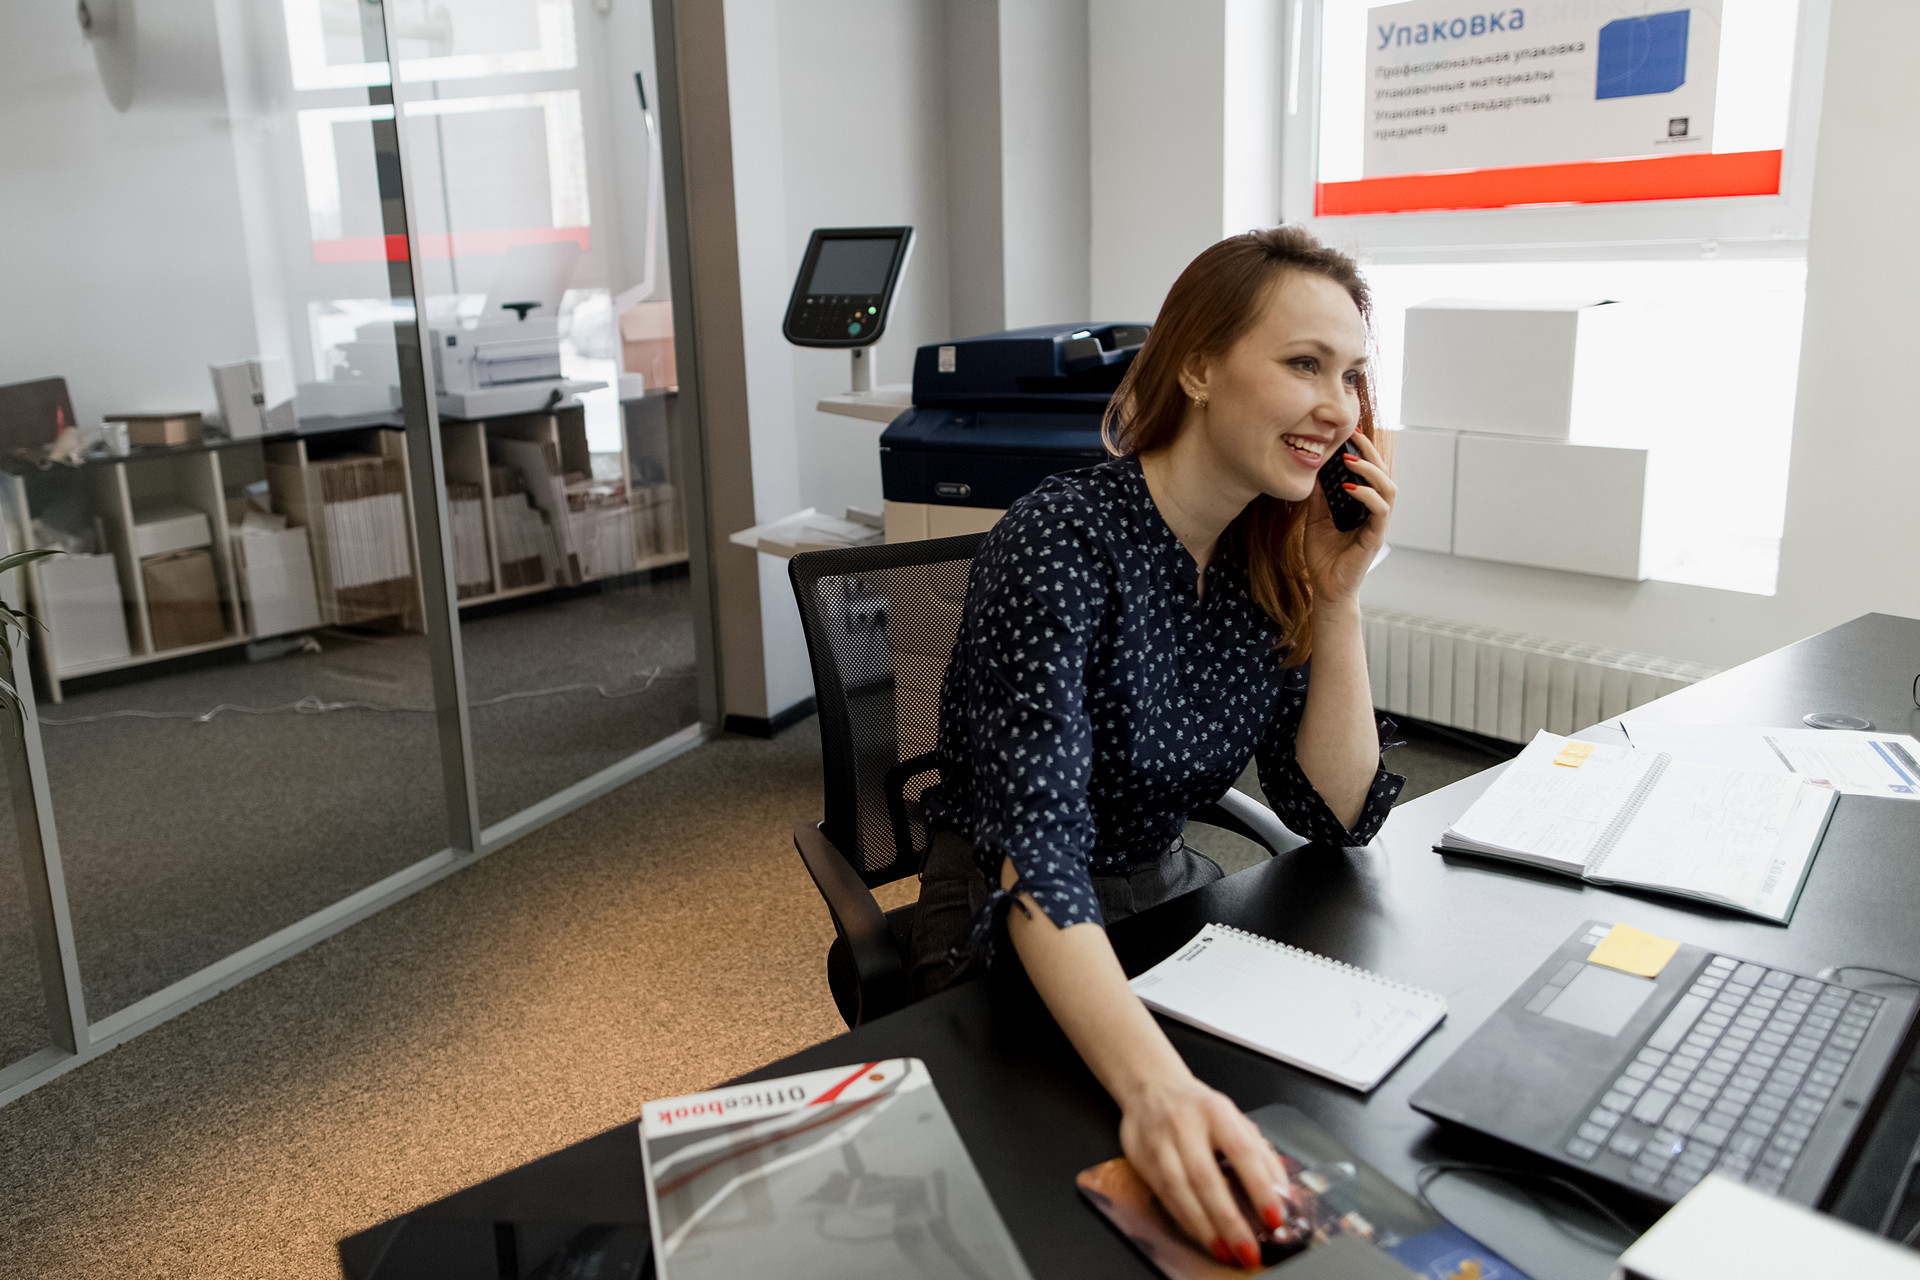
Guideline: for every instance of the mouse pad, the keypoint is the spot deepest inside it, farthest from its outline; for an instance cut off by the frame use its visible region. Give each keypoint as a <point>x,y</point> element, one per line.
<point>1334,1196</point>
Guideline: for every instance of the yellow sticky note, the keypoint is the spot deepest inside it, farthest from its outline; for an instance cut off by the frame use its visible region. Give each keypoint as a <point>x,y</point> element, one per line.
<point>1574,754</point>
<point>1629,950</point>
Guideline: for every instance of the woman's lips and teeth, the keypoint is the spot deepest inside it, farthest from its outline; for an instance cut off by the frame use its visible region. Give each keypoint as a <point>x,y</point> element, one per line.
<point>1308,451</point>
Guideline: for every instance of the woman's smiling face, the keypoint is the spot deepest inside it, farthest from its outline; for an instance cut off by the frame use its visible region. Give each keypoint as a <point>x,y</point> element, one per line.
<point>1287,393</point>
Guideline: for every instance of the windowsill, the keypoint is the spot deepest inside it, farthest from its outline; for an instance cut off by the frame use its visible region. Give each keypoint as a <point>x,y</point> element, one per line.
<point>1727,562</point>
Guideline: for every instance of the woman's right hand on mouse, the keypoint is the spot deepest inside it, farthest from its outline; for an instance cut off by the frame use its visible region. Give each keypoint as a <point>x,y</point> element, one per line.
<point>1170,1129</point>
<point>1170,1123</point>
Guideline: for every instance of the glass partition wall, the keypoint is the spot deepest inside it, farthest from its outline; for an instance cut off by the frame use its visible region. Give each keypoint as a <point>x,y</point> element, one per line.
<point>350,425</point>
<point>534,156</point>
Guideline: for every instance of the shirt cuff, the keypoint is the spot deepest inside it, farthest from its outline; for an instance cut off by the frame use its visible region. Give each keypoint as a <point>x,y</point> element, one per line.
<point>1308,815</point>
<point>1063,900</point>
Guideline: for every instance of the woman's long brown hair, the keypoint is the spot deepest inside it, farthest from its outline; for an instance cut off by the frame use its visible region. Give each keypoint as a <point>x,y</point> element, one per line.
<point>1216,300</point>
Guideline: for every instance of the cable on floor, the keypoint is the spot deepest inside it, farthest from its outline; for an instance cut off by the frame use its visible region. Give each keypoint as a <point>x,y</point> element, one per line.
<point>1518,1178</point>
<point>313,704</point>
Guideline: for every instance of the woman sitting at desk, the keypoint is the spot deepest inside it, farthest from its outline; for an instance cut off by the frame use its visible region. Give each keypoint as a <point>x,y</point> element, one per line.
<point>1133,633</point>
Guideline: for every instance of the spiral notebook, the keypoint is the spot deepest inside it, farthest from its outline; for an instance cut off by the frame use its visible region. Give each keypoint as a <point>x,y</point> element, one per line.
<point>1619,815</point>
<point>1308,1011</point>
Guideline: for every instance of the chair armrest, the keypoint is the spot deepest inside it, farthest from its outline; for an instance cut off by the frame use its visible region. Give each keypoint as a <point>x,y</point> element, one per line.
<point>856,916</point>
<point>1241,814</point>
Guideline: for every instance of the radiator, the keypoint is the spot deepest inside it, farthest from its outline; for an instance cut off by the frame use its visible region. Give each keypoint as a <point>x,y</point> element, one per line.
<point>1503,684</point>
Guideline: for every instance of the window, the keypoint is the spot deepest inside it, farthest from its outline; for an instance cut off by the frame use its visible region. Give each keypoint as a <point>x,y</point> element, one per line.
<point>1526,197</point>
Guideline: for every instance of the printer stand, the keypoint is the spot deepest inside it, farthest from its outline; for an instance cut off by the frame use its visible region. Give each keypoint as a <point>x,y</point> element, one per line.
<point>914,521</point>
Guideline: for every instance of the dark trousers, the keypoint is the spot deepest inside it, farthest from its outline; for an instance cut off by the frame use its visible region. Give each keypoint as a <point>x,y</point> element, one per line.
<point>952,892</point>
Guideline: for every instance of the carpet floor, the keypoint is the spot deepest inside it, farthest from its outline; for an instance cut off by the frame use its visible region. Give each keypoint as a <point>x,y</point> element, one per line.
<point>184,841</point>
<point>657,941</point>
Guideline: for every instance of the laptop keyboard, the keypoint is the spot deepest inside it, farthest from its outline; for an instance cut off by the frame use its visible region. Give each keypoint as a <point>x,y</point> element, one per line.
<point>1732,1080</point>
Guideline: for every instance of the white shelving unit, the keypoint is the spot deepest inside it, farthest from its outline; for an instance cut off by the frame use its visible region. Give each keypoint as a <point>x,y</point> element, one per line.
<point>551,467</point>
<point>545,455</point>
<point>104,493</point>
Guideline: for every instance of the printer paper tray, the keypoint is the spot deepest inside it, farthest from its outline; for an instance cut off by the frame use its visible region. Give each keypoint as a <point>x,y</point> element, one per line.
<point>522,397</point>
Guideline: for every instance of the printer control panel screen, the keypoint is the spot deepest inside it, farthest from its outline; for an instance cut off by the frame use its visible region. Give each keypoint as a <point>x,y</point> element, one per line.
<point>844,288</point>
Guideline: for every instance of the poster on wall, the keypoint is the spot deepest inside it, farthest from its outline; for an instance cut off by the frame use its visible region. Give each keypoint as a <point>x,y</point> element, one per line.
<point>1469,105</point>
<point>1452,86</point>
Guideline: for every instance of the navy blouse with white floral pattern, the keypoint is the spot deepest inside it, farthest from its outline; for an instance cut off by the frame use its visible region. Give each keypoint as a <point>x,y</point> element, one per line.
<point>1094,699</point>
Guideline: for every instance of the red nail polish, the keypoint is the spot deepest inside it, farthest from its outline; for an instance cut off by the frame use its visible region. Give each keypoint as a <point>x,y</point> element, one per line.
<point>1248,1253</point>
<point>1222,1254</point>
<point>1349,487</point>
<point>1270,1214</point>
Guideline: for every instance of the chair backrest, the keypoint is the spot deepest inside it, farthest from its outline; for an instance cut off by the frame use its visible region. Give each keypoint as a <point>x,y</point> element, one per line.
<point>880,623</point>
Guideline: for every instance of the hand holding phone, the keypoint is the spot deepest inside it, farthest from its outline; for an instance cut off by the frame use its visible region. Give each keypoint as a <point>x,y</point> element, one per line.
<point>1349,513</point>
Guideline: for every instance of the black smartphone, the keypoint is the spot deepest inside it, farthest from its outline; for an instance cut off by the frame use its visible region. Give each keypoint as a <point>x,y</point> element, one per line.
<point>1349,513</point>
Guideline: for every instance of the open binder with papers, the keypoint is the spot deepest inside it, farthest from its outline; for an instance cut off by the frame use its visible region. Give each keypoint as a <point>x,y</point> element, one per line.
<point>1616,815</point>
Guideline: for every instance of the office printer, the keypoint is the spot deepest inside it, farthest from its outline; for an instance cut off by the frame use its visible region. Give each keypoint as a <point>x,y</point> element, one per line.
<point>510,361</point>
<point>992,417</point>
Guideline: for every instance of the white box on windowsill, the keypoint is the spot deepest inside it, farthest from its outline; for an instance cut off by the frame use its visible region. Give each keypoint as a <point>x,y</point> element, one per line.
<point>1423,463</point>
<point>1536,369</point>
<point>1552,505</point>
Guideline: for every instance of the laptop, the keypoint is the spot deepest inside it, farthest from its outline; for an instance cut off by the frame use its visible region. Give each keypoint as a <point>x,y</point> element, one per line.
<point>1716,1065</point>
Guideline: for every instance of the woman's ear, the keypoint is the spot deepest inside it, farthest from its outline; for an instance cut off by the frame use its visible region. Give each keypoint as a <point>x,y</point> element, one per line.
<point>1195,380</point>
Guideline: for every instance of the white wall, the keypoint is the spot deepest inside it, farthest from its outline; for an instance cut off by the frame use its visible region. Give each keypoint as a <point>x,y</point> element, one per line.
<point>976,255</point>
<point>1046,183</point>
<point>1157,146</point>
<point>797,114</point>
<point>759,174</point>
<point>1252,89</point>
<point>121,260</point>
<point>1856,448</point>
<point>1846,549</point>
<point>1018,183</point>
<point>878,163</point>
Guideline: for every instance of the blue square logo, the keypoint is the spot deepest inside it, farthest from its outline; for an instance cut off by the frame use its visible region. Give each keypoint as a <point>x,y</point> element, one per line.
<point>1642,55</point>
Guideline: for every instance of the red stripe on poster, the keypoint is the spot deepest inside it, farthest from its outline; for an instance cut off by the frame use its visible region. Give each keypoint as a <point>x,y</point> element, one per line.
<point>1734,173</point>
<point>463,244</point>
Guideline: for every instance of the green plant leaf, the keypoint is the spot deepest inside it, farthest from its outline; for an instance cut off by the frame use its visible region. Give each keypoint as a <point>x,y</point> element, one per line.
<point>12,620</point>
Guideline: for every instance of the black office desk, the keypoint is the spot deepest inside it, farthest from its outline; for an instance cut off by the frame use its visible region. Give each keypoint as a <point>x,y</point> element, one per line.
<point>1033,1117</point>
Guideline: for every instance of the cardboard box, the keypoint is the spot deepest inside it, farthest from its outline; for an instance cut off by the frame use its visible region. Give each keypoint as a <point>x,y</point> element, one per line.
<point>167,527</point>
<point>33,413</point>
<point>646,344</point>
<point>85,614</point>
<point>1578,507</point>
<point>255,397</point>
<point>1423,471</point>
<point>276,580</point>
<point>1537,369</point>
<point>183,600</point>
<point>149,429</point>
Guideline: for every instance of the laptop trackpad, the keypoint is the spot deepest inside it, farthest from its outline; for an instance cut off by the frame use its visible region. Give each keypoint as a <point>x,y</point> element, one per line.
<point>1600,999</point>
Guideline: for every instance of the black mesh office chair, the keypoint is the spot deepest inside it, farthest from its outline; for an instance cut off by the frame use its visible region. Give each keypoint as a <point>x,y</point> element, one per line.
<point>880,623</point>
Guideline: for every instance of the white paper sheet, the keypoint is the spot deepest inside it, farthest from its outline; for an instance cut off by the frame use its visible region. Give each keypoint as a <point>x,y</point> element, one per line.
<point>1553,814</point>
<point>1732,836</point>
<point>1860,764</point>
